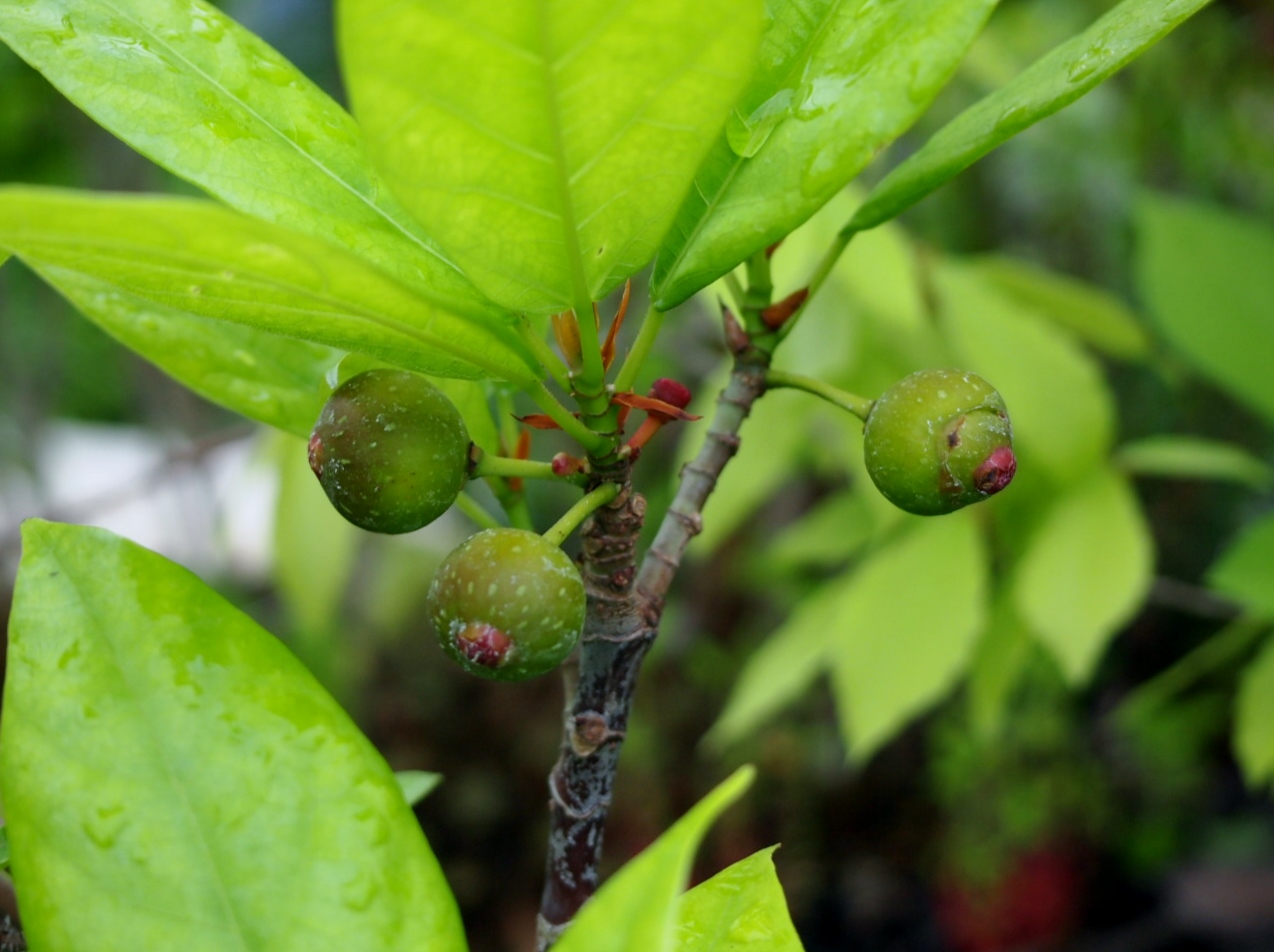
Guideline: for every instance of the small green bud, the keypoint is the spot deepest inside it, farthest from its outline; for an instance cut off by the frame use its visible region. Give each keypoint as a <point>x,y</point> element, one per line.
<point>939,440</point>
<point>390,451</point>
<point>507,604</point>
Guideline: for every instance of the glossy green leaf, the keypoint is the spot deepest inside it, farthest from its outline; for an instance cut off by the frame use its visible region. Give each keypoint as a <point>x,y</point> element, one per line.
<point>904,627</point>
<point>545,145</point>
<point>1057,398</point>
<point>174,779</point>
<point>416,784</point>
<point>200,258</point>
<point>838,81</point>
<point>740,909</point>
<point>1086,571</point>
<point>1053,82</point>
<point>191,89</point>
<point>637,909</point>
<point>1254,719</point>
<point>1092,314</point>
<point>1192,457</point>
<point>1245,571</point>
<point>1206,276</point>
<point>272,379</point>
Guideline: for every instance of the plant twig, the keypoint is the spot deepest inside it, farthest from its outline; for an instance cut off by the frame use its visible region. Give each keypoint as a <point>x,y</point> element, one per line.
<point>625,604</point>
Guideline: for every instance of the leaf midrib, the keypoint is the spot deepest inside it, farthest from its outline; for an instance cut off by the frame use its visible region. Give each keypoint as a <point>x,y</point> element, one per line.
<point>313,159</point>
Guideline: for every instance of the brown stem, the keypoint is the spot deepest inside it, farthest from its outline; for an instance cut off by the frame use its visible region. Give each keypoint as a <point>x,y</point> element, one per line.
<point>624,609</point>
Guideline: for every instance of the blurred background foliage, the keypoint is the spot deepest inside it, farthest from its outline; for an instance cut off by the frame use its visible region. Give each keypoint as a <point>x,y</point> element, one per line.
<point>1046,720</point>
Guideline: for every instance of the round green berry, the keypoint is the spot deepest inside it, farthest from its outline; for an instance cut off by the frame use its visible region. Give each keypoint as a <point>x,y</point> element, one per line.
<point>507,604</point>
<point>939,440</point>
<point>390,451</point>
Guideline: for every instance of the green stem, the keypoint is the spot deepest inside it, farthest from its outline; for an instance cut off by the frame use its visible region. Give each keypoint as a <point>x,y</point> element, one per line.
<point>636,358</point>
<point>735,287</point>
<point>858,406</point>
<point>563,417</point>
<point>474,510</point>
<point>580,511</point>
<point>821,273</point>
<point>519,469</point>
<point>549,361</point>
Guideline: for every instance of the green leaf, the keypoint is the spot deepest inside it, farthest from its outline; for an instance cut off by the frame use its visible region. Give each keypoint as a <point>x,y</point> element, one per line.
<point>1086,571</point>
<point>637,909</point>
<point>416,784</point>
<point>904,626</point>
<point>200,258</point>
<point>1254,719</point>
<point>1055,81</point>
<point>4,847</point>
<point>546,145</point>
<point>740,908</point>
<point>1095,316</point>
<point>781,669</point>
<point>268,378</point>
<point>1205,275</point>
<point>839,80</point>
<point>174,779</point>
<point>1061,410</point>
<point>1246,570</point>
<point>191,89</point>
<point>1192,457</point>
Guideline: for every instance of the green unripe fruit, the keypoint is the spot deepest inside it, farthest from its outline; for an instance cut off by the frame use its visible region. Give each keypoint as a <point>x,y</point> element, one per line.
<point>390,451</point>
<point>939,440</point>
<point>507,604</point>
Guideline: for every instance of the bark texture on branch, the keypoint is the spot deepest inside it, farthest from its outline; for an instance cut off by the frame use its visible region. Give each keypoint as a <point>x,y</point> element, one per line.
<point>625,604</point>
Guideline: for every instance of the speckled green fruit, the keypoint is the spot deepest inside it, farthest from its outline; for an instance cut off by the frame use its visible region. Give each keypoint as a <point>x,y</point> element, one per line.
<point>507,604</point>
<point>939,440</point>
<point>390,450</point>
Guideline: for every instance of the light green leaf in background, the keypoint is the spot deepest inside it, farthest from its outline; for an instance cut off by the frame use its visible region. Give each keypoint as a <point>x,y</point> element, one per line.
<point>315,551</point>
<point>782,669</point>
<point>826,536</point>
<point>266,377</point>
<point>1055,81</point>
<point>200,258</point>
<point>838,81</point>
<point>545,145</point>
<point>188,87</point>
<point>1193,457</point>
<point>174,779</point>
<point>1092,314</point>
<point>739,909</point>
<point>904,627</point>
<point>1207,276</point>
<point>637,909</point>
<point>1057,398</point>
<point>1086,571</point>
<point>416,784</point>
<point>1254,719</point>
<point>1246,570</point>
